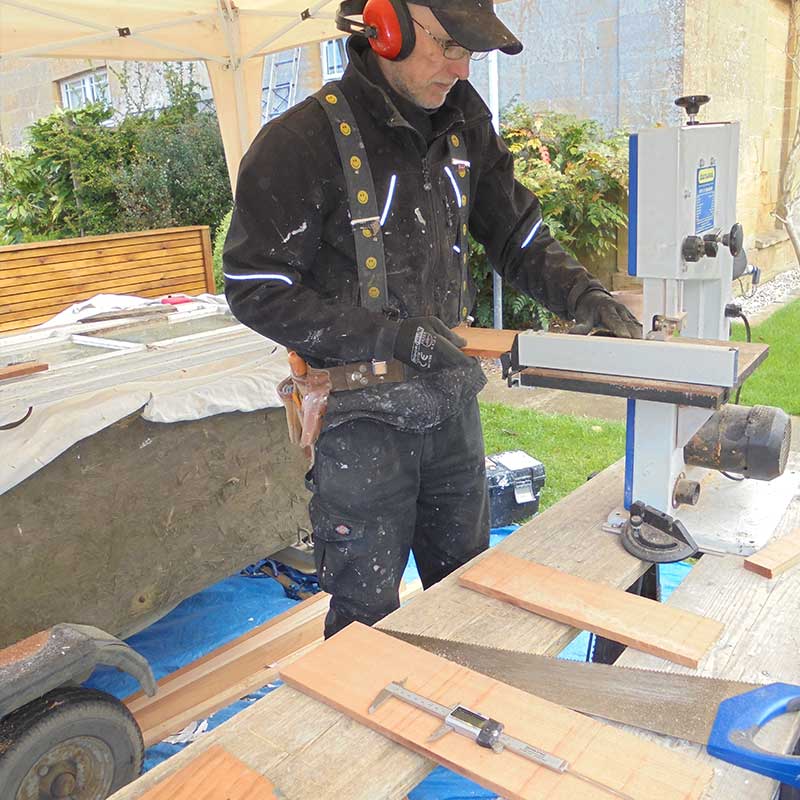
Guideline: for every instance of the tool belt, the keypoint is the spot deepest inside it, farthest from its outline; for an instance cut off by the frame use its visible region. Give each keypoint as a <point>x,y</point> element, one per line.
<point>304,393</point>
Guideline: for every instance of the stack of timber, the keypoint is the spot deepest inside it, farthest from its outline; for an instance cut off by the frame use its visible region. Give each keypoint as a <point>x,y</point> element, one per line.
<point>235,669</point>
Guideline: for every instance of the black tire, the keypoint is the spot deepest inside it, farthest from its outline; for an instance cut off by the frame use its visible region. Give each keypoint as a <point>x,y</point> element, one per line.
<point>43,743</point>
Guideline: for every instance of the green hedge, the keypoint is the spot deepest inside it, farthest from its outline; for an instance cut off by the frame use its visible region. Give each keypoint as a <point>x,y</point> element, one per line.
<point>84,173</point>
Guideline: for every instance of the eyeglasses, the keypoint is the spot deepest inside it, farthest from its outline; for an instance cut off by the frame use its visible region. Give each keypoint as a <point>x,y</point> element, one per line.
<point>451,50</point>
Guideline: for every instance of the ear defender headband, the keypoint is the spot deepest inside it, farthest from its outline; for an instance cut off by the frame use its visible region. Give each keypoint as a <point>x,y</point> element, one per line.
<point>387,25</point>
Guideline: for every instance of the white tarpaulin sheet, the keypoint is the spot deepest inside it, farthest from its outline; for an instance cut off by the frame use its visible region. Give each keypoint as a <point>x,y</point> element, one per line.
<point>217,385</point>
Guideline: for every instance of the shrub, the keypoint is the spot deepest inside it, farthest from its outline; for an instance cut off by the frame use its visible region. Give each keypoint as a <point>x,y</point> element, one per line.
<point>179,176</point>
<point>219,243</point>
<point>62,185</point>
<point>83,173</point>
<point>580,175</point>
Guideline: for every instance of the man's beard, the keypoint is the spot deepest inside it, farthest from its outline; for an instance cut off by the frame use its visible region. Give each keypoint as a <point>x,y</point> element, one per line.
<point>402,88</point>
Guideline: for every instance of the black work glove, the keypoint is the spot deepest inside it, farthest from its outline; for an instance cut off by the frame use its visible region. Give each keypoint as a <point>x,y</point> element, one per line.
<point>426,343</point>
<point>597,309</point>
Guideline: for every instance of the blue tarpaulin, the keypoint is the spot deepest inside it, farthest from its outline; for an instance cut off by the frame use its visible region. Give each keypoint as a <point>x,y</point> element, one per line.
<point>234,606</point>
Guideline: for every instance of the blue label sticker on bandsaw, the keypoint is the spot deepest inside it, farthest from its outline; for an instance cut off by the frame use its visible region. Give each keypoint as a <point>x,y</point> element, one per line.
<point>706,199</point>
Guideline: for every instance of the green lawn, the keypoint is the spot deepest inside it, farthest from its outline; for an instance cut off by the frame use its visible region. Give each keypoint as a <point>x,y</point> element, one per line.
<point>777,381</point>
<point>571,448</point>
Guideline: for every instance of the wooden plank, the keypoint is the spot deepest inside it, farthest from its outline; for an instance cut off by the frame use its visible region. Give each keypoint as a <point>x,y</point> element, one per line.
<point>776,557</point>
<point>140,255</point>
<point>8,251</point>
<point>486,342</point>
<point>87,287</point>
<point>22,369</point>
<point>632,620</point>
<point>213,775</point>
<point>229,672</point>
<point>349,670</point>
<point>208,259</point>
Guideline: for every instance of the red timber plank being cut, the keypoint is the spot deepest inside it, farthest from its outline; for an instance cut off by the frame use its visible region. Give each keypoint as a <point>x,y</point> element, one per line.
<point>351,668</point>
<point>486,342</point>
<point>637,622</point>
<point>213,775</point>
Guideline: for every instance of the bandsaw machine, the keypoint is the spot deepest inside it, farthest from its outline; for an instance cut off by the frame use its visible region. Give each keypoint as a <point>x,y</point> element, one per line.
<point>687,248</point>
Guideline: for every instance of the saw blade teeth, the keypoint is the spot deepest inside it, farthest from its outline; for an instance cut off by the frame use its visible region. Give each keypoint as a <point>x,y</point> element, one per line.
<point>422,640</point>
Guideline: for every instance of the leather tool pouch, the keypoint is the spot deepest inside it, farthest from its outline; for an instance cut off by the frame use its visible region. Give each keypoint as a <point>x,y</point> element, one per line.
<point>305,399</point>
<point>291,404</point>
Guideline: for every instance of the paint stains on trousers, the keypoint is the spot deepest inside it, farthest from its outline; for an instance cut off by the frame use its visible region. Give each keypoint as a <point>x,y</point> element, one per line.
<point>381,492</point>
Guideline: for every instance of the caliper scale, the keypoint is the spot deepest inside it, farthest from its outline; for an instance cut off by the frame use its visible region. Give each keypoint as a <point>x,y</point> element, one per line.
<point>483,730</point>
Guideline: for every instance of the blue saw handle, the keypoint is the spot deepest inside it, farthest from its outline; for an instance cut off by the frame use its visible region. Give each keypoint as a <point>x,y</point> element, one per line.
<point>739,720</point>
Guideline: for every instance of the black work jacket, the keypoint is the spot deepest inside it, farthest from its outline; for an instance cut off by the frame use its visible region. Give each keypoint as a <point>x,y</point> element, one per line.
<point>289,258</point>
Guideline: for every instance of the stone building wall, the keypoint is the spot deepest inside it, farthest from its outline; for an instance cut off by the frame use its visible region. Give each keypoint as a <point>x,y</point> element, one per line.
<point>737,54</point>
<point>623,62</point>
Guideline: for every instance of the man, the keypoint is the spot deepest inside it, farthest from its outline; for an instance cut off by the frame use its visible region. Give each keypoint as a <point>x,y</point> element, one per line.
<point>399,464</point>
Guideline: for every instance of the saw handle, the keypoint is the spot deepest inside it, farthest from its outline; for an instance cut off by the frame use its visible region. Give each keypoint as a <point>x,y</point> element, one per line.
<point>738,721</point>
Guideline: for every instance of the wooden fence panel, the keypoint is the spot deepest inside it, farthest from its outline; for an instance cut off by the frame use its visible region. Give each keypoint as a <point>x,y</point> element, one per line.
<point>40,279</point>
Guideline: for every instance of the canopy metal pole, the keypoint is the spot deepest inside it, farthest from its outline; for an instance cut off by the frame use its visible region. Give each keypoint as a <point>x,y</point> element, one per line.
<point>494,106</point>
<point>229,20</point>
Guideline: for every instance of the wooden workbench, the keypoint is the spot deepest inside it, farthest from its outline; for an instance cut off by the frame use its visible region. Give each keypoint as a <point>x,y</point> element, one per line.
<point>311,751</point>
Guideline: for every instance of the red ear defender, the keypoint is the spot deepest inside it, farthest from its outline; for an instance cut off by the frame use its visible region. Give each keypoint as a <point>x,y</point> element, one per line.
<point>392,21</point>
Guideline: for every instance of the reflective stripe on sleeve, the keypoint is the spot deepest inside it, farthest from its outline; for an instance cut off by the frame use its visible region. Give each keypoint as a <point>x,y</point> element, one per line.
<point>261,277</point>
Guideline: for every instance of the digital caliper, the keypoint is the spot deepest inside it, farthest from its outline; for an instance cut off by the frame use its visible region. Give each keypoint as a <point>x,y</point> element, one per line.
<point>483,730</point>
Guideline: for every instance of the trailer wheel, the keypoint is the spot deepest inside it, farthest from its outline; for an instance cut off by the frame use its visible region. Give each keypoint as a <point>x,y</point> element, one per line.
<point>73,743</point>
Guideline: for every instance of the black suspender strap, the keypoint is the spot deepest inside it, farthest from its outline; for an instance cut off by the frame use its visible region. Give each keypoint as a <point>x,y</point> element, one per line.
<point>364,215</point>
<point>459,176</point>
<point>364,206</point>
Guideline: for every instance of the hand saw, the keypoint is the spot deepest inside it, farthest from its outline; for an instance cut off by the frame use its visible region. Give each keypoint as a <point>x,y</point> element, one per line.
<point>722,715</point>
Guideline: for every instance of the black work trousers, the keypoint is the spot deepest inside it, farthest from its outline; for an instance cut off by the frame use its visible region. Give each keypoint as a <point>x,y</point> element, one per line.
<point>380,492</point>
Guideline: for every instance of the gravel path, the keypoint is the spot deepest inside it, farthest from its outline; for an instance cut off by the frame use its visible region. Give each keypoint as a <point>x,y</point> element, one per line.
<point>777,291</point>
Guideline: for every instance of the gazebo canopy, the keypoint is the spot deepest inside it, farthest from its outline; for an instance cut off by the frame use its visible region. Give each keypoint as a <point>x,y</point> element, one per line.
<point>231,39</point>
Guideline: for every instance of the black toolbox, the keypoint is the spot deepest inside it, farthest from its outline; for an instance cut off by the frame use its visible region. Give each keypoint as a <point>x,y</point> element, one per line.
<point>514,481</point>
